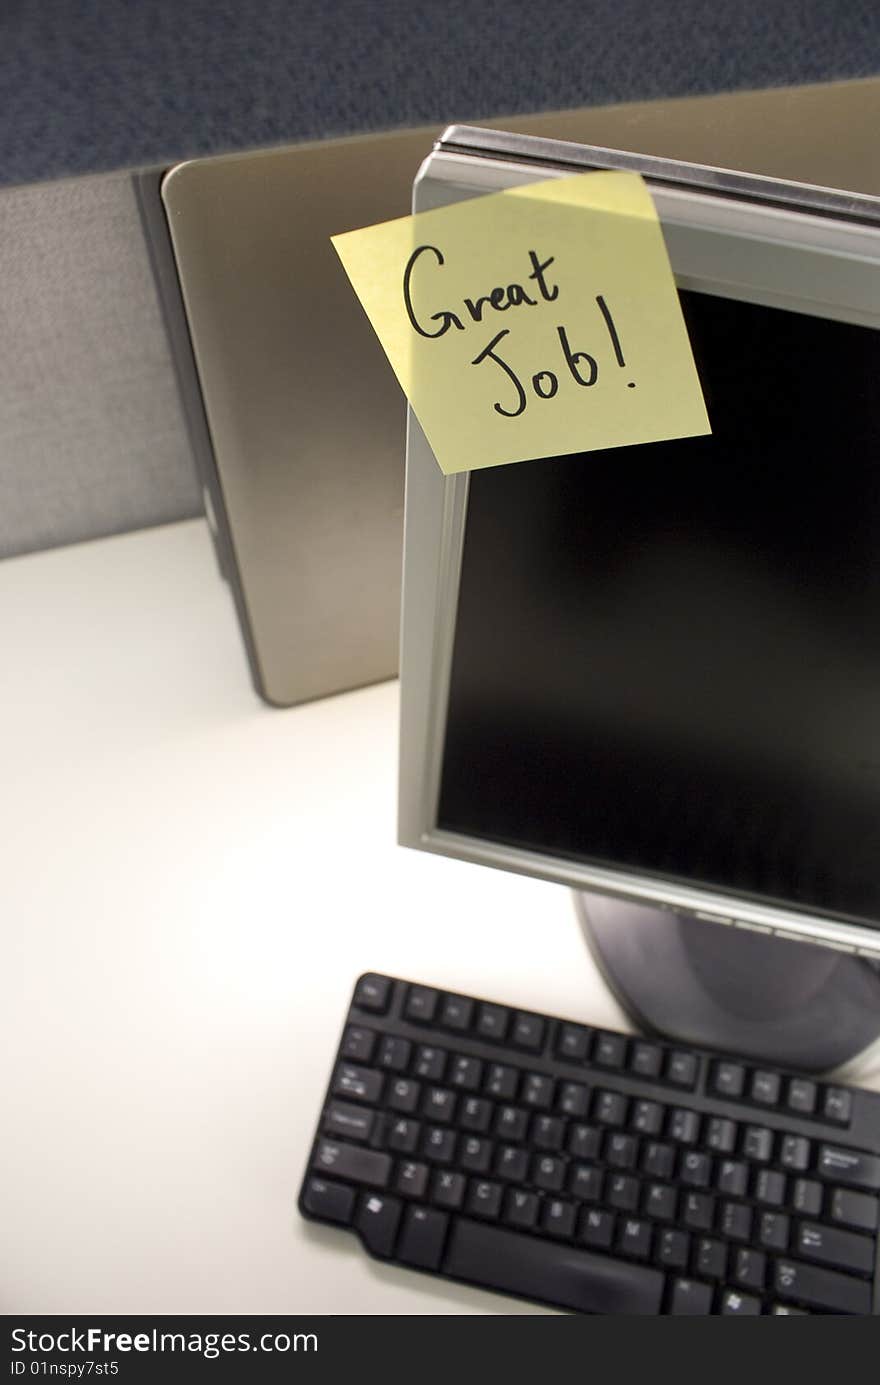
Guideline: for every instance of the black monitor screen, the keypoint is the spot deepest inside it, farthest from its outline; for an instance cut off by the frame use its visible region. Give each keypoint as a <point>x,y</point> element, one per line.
<point>667,657</point>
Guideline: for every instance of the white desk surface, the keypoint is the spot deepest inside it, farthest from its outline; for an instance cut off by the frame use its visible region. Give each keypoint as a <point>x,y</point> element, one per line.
<point>191,882</point>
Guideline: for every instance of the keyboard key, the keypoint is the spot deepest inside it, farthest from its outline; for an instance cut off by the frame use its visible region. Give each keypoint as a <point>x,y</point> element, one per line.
<point>801,1096</point>
<point>456,1013</point>
<point>475,1155</point>
<point>358,1044</point>
<point>511,1123</point>
<point>351,1122</point>
<point>512,1163</point>
<point>573,1099</point>
<point>377,1222</point>
<point>558,1218</point>
<point>352,1164</point>
<point>758,1143</point>
<point>448,1190</point>
<point>749,1268</point>
<point>363,1084</point>
<point>673,1249</point>
<point>690,1297</point>
<point>698,1211</point>
<point>548,1173</point>
<point>439,1104</point>
<point>735,1304</point>
<point>573,1042</point>
<point>728,1079</point>
<point>394,1054</point>
<point>773,1230</point>
<point>854,1209</point>
<point>528,1032</point>
<point>736,1221</point>
<point>820,1288</point>
<point>403,1135</point>
<point>634,1238</point>
<point>585,1182</point>
<point>584,1141</point>
<point>647,1117</point>
<point>623,1192</point>
<point>682,1069</point>
<point>547,1133</point>
<point>695,1169</point>
<point>765,1087</point>
<point>843,1250</point>
<point>421,1004</point>
<point>502,1082</point>
<point>412,1179</point>
<point>646,1060</point>
<point>430,1063</point>
<point>721,1135</point>
<point>610,1108</point>
<point>475,1114</point>
<point>373,993</point>
<point>537,1091</point>
<point>684,1125</point>
<point>609,1050</point>
<point>785,1310</point>
<point>465,1074</point>
<point>502,1259</point>
<point>770,1187</point>
<point>492,1022</point>
<point>330,1201</point>
<point>851,1167</point>
<point>658,1160</point>
<point>661,1201</point>
<point>438,1144</point>
<point>710,1259</point>
<point>732,1177</point>
<point>403,1095</point>
<point>484,1199</point>
<point>620,1150</point>
<point>806,1196</point>
<point>795,1153</point>
<point>597,1228</point>
<point>422,1237</point>
<point>521,1209</point>
<point>837,1105</point>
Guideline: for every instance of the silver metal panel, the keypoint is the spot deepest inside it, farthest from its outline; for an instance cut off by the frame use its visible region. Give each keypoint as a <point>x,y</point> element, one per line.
<point>568,155</point>
<point>772,255</point>
<point>306,421</point>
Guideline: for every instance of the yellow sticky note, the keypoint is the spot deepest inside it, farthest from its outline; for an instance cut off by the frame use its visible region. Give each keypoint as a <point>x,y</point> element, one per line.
<point>533,322</point>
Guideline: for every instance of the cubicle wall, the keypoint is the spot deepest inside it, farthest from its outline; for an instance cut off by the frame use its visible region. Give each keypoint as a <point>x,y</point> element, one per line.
<point>92,435</point>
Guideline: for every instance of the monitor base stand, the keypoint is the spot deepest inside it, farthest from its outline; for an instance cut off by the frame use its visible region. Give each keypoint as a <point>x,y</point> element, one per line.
<point>788,1003</point>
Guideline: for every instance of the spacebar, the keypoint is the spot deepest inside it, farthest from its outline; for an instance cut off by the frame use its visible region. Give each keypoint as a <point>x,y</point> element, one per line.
<point>550,1271</point>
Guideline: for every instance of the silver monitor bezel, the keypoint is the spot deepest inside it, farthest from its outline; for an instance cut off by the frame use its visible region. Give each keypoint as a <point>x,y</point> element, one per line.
<point>759,239</point>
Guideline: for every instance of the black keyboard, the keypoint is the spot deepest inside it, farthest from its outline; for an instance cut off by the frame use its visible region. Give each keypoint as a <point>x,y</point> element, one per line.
<point>589,1170</point>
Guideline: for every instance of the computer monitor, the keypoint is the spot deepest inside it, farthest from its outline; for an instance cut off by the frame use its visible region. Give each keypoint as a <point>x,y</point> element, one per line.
<point>653,673</point>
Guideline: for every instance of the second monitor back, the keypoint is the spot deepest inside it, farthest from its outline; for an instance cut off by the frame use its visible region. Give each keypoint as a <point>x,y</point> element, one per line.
<point>296,414</point>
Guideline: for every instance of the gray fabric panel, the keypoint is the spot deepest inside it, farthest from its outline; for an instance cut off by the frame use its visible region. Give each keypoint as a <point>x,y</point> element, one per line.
<point>90,85</point>
<point>92,437</point>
